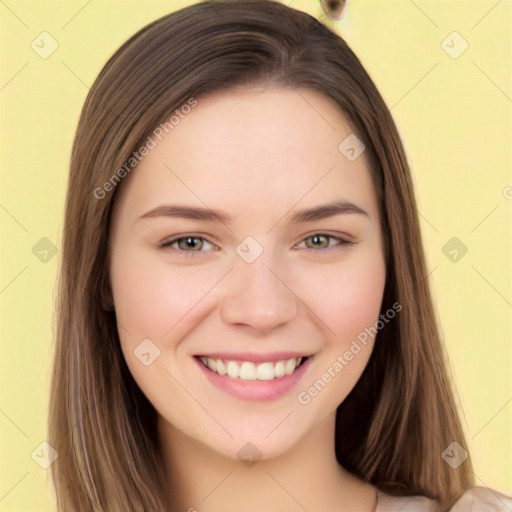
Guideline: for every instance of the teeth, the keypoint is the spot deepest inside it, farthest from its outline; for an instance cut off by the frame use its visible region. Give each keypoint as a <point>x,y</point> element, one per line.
<point>220,367</point>
<point>233,370</point>
<point>265,371</point>
<point>249,371</point>
<point>289,366</point>
<point>279,369</point>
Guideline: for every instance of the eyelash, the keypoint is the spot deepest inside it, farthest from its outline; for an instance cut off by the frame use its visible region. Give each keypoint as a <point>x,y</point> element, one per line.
<point>342,243</point>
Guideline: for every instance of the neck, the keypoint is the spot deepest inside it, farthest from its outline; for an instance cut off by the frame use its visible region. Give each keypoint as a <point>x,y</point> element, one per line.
<point>306,477</point>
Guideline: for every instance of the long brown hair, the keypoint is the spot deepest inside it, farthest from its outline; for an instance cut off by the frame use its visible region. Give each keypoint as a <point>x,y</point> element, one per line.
<point>393,427</point>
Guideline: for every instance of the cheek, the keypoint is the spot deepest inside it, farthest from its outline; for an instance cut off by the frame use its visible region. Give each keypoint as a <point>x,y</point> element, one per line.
<point>349,305</point>
<point>151,297</point>
<point>158,302</point>
<point>349,298</point>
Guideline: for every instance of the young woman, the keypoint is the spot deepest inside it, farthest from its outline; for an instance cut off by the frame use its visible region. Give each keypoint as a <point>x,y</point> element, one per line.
<point>244,318</point>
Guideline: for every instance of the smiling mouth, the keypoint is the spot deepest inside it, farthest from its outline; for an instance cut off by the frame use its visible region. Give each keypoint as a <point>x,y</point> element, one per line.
<point>249,371</point>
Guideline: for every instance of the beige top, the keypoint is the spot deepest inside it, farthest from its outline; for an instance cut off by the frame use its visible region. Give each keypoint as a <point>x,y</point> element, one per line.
<point>477,499</point>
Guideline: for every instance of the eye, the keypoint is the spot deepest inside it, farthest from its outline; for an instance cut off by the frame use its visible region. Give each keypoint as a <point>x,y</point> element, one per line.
<point>191,244</point>
<point>187,244</point>
<point>322,241</point>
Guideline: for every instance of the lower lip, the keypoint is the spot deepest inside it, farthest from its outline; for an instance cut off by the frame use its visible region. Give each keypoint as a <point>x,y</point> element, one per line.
<point>257,390</point>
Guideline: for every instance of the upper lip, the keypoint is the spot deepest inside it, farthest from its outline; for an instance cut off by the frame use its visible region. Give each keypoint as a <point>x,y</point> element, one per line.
<point>257,358</point>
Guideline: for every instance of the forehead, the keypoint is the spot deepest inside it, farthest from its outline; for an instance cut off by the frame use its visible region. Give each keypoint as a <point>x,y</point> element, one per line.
<point>251,148</point>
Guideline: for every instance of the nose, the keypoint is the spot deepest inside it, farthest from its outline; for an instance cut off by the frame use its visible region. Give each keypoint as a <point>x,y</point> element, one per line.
<point>258,296</point>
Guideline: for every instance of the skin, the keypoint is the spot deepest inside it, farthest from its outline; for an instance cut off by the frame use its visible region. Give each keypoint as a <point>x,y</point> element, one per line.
<point>260,155</point>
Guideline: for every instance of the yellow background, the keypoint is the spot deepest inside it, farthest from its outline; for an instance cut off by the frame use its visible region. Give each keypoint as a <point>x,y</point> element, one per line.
<point>454,115</point>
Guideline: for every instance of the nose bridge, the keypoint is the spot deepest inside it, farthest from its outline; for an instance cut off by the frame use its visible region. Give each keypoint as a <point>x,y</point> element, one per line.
<point>257,295</point>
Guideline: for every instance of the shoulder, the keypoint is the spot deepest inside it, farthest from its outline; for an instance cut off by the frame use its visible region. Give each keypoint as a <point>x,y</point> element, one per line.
<point>477,499</point>
<point>388,503</point>
<point>483,499</point>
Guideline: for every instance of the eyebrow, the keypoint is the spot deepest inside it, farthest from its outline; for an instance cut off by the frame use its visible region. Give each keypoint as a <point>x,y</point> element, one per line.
<point>207,214</point>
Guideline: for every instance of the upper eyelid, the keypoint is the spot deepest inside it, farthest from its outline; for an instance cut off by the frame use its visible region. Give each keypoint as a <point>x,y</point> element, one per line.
<point>342,242</point>
<point>173,240</point>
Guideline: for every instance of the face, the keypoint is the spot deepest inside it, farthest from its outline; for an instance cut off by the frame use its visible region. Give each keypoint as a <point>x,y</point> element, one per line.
<point>224,255</point>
